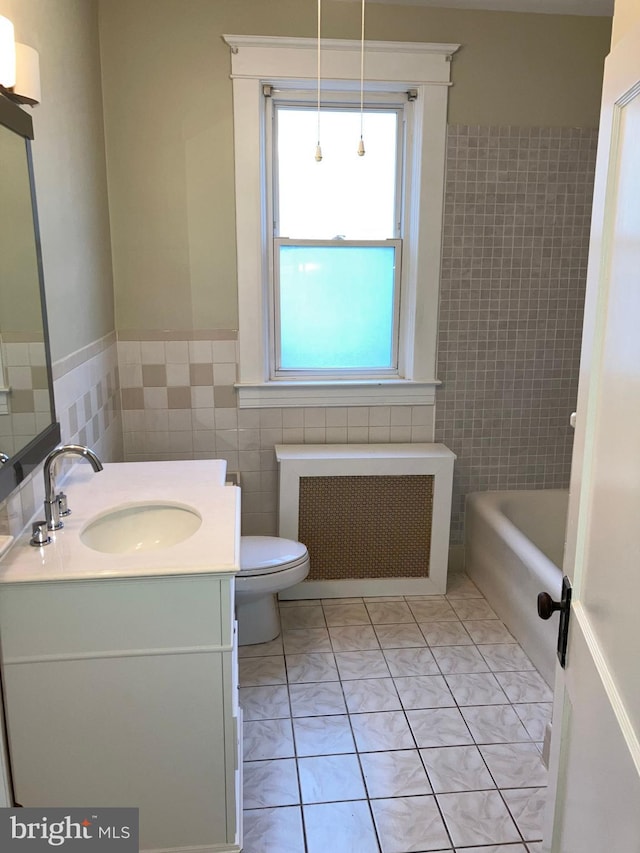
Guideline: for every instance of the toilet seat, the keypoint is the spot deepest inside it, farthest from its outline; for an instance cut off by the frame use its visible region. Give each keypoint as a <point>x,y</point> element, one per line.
<point>265,555</point>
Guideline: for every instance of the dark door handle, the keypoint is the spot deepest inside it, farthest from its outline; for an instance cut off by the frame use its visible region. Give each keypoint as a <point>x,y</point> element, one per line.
<point>547,606</point>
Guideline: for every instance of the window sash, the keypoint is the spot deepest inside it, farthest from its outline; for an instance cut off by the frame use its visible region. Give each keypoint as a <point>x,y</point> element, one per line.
<point>334,101</point>
<point>306,98</point>
<point>277,372</point>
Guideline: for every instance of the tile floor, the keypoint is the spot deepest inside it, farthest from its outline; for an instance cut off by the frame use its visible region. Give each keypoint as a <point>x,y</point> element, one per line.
<point>393,725</point>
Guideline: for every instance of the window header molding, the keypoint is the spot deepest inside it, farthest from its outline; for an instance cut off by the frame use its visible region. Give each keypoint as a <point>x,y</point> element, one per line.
<point>295,58</point>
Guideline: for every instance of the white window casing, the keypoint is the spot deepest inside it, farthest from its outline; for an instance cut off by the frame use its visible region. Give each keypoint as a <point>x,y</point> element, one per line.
<point>389,67</point>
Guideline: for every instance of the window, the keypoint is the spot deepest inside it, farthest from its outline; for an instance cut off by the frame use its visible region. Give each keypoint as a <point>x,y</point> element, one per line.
<point>337,252</point>
<point>338,261</point>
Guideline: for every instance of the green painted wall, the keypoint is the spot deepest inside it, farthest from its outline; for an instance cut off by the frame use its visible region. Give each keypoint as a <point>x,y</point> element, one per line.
<point>70,169</point>
<point>169,131</point>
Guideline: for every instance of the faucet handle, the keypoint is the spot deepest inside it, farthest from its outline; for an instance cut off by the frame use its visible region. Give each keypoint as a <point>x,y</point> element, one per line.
<point>39,534</point>
<point>63,507</point>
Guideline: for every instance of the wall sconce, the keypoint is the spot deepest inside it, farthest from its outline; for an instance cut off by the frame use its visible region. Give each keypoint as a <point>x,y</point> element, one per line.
<point>19,67</point>
<point>7,53</point>
<point>27,86</point>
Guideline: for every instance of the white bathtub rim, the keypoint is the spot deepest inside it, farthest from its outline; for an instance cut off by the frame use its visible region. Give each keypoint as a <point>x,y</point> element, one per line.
<point>489,505</point>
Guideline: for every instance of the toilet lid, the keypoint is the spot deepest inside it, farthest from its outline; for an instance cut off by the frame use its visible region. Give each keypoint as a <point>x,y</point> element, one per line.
<point>260,555</point>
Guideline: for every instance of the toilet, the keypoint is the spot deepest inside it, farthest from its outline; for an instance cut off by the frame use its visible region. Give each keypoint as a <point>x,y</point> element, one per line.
<point>268,564</point>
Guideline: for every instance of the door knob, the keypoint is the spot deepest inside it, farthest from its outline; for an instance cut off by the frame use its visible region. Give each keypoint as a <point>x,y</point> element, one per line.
<point>547,606</point>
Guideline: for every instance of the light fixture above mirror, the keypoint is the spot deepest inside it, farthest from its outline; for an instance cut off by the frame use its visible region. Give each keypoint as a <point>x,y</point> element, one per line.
<point>7,53</point>
<point>19,67</point>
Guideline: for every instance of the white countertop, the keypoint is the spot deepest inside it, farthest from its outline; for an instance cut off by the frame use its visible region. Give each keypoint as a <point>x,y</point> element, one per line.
<point>198,484</point>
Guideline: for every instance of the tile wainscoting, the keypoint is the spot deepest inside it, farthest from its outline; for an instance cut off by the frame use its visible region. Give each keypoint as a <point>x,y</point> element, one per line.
<point>87,398</point>
<point>178,402</point>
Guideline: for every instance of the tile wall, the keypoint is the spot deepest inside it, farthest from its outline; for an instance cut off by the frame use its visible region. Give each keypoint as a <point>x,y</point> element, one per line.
<point>87,398</point>
<point>25,374</point>
<point>516,232</point>
<point>178,402</point>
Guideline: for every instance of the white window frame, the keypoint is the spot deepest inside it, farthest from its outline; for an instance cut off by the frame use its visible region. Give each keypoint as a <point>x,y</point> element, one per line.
<point>287,97</point>
<point>257,61</point>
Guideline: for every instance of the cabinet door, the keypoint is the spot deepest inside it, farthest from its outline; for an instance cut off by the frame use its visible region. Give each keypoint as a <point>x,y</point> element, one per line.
<point>145,731</point>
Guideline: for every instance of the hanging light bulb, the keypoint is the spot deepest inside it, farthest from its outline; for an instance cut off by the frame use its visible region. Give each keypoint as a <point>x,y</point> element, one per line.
<point>318,148</point>
<point>361,143</point>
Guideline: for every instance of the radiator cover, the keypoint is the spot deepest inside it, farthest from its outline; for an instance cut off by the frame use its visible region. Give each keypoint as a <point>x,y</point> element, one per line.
<point>366,526</point>
<point>374,517</point>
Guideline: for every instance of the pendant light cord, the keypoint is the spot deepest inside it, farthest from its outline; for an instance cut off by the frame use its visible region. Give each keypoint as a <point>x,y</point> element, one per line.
<point>361,143</point>
<point>318,148</point>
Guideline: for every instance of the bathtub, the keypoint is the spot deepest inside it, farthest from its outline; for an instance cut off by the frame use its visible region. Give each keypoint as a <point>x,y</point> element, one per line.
<point>514,543</point>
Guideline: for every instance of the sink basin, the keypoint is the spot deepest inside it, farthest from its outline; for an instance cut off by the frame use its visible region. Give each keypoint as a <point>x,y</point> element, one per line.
<point>140,527</point>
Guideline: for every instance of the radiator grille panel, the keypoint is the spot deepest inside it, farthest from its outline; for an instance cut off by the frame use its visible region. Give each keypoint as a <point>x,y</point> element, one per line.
<point>358,527</point>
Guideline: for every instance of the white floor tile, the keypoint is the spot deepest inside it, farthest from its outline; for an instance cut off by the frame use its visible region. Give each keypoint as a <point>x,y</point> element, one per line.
<point>433,610</point>
<point>527,806</point>
<point>388,612</point>
<point>424,691</point>
<point>382,731</point>
<point>476,688</point>
<point>267,739</point>
<point>260,671</point>
<point>265,703</point>
<point>411,661</point>
<point>439,727</point>
<point>331,778</point>
<point>459,659</point>
<point>515,765</point>
<point>340,827</point>
<point>488,631</point>
<point>302,617</point>
<point>456,768</point>
<point>270,783</point>
<point>362,664</point>
<point>445,633</point>
<point>323,735</point>
<point>305,640</point>
<point>495,724</point>
<point>399,773</point>
<point>315,700</point>
<point>311,667</point>
<point>400,636</point>
<point>525,687</point>
<point>535,716</point>
<point>407,824</point>
<point>277,830</point>
<point>478,817</point>
<point>371,694</point>
<point>346,614</point>
<point>353,638</point>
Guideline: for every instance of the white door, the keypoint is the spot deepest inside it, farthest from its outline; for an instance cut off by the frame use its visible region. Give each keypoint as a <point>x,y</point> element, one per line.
<point>595,762</point>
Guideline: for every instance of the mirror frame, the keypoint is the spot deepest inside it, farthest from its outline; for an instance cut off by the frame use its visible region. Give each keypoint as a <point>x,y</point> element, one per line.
<point>21,464</point>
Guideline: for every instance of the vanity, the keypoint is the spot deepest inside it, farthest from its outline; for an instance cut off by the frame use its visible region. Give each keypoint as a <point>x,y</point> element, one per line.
<point>119,654</point>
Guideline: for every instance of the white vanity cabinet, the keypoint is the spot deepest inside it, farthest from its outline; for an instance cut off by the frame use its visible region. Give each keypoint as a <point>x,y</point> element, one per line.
<point>123,692</point>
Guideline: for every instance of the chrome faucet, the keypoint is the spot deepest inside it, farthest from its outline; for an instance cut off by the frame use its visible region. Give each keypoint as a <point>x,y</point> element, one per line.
<point>3,458</point>
<point>55,505</point>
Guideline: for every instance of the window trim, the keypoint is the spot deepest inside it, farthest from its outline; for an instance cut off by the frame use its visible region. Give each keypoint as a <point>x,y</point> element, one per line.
<point>390,67</point>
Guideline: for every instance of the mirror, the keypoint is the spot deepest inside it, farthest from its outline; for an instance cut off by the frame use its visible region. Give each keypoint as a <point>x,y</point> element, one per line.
<point>27,416</point>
